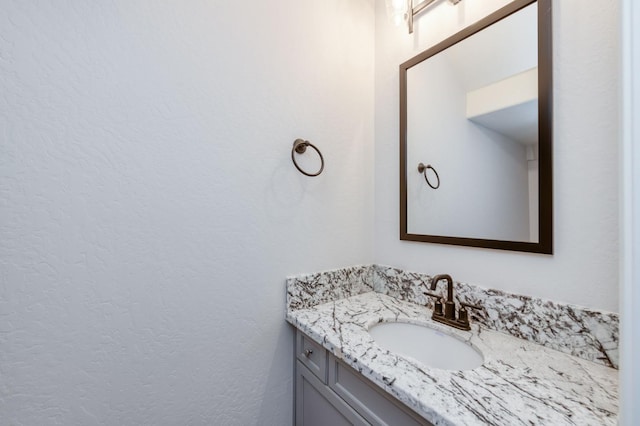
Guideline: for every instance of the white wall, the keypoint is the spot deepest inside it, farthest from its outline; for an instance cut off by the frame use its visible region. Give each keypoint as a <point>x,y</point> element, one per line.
<point>149,210</point>
<point>584,268</point>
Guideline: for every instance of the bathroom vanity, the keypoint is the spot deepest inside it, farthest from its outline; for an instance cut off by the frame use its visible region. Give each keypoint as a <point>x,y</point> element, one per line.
<point>344,377</point>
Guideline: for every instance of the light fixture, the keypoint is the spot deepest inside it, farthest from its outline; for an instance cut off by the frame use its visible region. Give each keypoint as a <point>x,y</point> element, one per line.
<point>397,11</point>
<point>400,11</point>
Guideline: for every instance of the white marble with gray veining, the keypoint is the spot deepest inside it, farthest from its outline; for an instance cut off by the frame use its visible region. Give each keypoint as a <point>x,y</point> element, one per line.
<point>519,383</point>
<point>583,332</point>
<point>304,291</point>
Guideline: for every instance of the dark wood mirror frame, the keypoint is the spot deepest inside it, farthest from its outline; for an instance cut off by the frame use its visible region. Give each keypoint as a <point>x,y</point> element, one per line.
<point>545,133</point>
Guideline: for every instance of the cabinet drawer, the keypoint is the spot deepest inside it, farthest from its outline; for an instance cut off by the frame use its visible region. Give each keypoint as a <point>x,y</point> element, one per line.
<point>373,403</point>
<point>312,355</point>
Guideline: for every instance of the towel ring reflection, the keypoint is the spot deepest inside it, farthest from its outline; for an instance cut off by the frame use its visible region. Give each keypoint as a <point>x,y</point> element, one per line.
<point>300,146</point>
<point>423,169</point>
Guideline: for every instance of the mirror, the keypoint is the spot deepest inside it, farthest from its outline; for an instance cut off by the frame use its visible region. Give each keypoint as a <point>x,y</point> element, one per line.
<point>476,111</point>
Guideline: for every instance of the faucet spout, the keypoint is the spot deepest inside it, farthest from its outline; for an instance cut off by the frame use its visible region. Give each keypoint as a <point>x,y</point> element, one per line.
<point>437,278</point>
<point>449,305</point>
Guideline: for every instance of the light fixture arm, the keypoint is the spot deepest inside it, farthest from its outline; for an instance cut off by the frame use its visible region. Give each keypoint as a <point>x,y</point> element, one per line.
<point>414,10</point>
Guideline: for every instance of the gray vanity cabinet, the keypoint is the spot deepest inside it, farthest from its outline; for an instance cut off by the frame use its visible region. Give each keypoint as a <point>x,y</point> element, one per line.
<point>329,392</point>
<point>317,405</point>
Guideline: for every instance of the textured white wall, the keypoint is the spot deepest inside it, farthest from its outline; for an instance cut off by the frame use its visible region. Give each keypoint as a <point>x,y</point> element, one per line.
<point>584,268</point>
<point>149,211</point>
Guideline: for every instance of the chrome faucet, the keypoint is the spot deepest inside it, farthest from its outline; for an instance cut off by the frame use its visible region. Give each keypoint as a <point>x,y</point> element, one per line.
<point>449,315</point>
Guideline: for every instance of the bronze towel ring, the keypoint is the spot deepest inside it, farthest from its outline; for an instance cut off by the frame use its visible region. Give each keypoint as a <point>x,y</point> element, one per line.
<point>423,169</point>
<point>300,146</point>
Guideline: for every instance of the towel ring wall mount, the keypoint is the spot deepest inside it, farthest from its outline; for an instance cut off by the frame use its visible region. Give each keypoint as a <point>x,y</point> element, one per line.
<point>300,147</point>
<point>423,169</point>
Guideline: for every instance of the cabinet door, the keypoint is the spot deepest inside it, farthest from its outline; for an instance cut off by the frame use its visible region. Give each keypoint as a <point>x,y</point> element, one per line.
<point>371,403</point>
<point>317,405</point>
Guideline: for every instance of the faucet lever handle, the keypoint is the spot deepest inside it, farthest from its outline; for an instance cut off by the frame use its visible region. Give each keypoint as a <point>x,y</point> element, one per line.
<point>468,305</point>
<point>436,295</point>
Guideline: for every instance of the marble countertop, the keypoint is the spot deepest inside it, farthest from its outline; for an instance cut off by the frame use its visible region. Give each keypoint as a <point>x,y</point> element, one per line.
<point>519,382</point>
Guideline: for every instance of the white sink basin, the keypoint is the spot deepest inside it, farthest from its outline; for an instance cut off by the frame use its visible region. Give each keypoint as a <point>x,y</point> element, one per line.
<point>427,345</point>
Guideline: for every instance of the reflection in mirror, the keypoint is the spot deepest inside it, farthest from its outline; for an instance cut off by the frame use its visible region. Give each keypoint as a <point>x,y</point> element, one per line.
<point>470,109</point>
